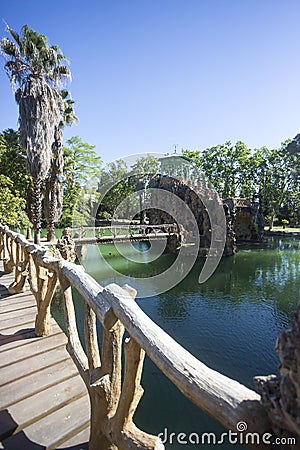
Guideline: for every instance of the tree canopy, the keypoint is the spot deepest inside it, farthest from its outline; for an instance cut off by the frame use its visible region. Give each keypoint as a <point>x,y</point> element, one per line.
<point>81,164</point>
<point>13,162</point>
<point>268,176</point>
<point>12,205</point>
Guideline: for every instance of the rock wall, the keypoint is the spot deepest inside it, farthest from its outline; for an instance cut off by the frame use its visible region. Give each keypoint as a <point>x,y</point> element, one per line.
<point>248,223</point>
<point>191,195</point>
<point>281,394</point>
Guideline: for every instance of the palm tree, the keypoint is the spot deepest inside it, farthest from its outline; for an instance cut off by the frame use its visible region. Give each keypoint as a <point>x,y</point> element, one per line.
<point>54,186</point>
<point>36,72</point>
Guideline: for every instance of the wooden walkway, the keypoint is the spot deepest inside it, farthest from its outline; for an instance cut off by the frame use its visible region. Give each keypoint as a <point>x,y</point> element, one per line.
<point>43,401</point>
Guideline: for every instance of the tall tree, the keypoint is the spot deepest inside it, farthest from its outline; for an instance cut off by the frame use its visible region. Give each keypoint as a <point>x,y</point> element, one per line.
<point>115,187</point>
<point>81,161</point>
<point>271,176</point>
<point>54,183</point>
<point>81,164</point>
<point>36,71</point>
<point>281,181</point>
<point>143,171</point>
<point>226,167</point>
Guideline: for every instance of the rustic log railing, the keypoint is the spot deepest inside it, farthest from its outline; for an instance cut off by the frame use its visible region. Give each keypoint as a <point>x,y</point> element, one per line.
<point>113,402</point>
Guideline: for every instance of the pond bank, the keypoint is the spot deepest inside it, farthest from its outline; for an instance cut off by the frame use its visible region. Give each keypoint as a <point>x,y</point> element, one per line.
<point>282,233</point>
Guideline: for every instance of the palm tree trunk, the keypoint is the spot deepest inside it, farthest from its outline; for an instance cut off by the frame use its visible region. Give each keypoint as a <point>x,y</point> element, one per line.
<point>54,189</point>
<point>51,212</point>
<point>53,204</point>
<point>51,232</point>
<point>36,209</point>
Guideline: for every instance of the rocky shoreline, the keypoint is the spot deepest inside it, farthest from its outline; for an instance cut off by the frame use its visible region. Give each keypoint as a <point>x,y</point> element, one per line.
<point>282,233</point>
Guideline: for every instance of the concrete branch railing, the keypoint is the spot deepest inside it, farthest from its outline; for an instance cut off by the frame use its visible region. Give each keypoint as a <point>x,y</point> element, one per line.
<point>130,229</point>
<point>113,401</point>
<point>122,233</point>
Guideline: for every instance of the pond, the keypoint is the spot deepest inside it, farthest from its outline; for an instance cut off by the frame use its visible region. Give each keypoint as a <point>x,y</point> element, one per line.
<point>230,323</point>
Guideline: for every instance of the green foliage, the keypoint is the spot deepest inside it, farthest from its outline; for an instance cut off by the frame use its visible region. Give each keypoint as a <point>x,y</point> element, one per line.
<point>14,181</point>
<point>12,206</point>
<point>226,167</point>
<point>145,167</point>
<point>70,199</point>
<point>13,162</point>
<point>284,222</point>
<point>119,183</point>
<point>105,215</point>
<point>114,187</point>
<point>82,165</point>
<point>143,172</point>
<point>278,185</point>
<point>68,116</point>
<point>271,177</point>
<point>81,161</point>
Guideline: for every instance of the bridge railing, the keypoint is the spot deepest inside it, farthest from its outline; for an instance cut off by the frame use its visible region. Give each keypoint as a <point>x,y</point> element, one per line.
<point>124,229</point>
<point>115,389</point>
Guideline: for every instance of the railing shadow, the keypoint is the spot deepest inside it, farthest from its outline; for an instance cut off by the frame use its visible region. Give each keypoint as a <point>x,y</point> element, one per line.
<point>23,334</point>
<point>20,440</point>
<point>4,293</point>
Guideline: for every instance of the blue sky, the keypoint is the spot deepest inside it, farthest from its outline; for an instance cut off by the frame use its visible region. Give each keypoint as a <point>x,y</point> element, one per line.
<point>148,74</point>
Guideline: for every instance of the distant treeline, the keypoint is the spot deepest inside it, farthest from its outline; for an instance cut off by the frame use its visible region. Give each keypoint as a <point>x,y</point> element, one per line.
<point>268,177</point>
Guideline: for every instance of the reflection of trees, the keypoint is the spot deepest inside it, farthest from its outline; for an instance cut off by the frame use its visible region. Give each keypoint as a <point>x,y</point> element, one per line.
<point>255,275</point>
<point>261,275</point>
<point>172,310</point>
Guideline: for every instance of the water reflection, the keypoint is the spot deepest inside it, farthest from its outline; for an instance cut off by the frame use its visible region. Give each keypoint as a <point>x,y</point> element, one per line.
<point>243,306</point>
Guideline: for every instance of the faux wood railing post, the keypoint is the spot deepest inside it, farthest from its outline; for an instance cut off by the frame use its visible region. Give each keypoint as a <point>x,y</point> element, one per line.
<point>8,262</point>
<point>42,284</point>
<point>89,367</point>
<point>21,271</point>
<point>124,429</point>
<point>91,338</point>
<point>5,248</point>
<point>104,389</point>
<point>113,404</point>
<point>2,244</point>
<point>74,346</point>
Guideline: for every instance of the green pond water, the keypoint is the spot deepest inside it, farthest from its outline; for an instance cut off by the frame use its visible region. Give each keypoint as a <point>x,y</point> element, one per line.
<point>230,323</point>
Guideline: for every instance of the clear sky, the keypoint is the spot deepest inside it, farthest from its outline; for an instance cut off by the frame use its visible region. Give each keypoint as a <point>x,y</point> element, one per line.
<point>148,74</point>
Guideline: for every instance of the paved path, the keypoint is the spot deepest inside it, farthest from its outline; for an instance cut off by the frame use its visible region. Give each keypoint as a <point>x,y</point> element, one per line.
<point>43,401</point>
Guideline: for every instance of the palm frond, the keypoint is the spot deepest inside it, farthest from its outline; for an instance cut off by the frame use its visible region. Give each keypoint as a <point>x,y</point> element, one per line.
<point>9,48</point>
<point>14,35</point>
<point>63,71</point>
<point>64,93</point>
